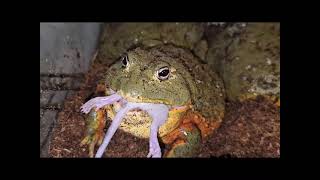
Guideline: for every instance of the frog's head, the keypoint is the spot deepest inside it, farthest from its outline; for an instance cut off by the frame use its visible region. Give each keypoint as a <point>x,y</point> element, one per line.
<point>150,76</point>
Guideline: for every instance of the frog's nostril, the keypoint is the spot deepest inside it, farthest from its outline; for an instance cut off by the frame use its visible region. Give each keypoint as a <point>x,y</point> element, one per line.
<point>143,68</point>
<point>143,80</point>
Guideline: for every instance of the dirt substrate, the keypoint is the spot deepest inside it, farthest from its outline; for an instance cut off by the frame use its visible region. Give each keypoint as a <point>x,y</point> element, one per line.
<point>250,129</point>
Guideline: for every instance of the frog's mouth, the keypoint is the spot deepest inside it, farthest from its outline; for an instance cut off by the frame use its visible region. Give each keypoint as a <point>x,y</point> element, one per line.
<point>140,99</point>
<point>158,112</point>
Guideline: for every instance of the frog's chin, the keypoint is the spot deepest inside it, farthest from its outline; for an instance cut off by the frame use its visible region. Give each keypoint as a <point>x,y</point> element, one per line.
<point>139,99</point>
<point>129,98</point>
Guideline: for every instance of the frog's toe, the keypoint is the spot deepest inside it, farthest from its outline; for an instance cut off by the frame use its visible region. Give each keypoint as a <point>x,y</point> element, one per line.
<point>84,141</point>
<point>100,140</point>
<point>91,149</point>
<point>154,151</point>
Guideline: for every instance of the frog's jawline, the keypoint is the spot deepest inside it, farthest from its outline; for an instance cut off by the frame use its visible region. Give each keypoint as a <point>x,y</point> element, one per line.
<point>158,112</point>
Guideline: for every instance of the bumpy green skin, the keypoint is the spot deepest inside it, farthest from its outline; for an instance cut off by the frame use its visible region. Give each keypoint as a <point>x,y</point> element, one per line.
<point>190,81</point>
<point>119,37</point>
<point>249,63</point>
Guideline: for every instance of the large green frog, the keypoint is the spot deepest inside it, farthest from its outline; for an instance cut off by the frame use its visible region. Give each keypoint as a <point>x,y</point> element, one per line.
<point>160,83</point>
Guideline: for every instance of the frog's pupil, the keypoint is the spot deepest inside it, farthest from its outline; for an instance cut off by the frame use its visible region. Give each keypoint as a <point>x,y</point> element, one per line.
<point>164,72</point>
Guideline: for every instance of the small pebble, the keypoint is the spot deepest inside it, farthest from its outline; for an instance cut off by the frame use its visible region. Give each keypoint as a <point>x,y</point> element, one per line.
<point>268,79</point>
<point>243,25</point>
<point>131,146</point>
<point>185,133</point>
<point>244,78</point>
<point>269,61</point>
<point>67,150</point>
<point>248,67</point>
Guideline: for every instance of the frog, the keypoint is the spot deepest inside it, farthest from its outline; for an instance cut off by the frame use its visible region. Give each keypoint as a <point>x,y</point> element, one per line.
<point>164,93</point>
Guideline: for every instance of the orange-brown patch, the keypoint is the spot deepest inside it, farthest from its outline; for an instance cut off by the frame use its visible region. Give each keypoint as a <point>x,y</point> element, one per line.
<point>191,118</point>
<point>206,126</point>
<point>177,133</point>
<point>101,116</point>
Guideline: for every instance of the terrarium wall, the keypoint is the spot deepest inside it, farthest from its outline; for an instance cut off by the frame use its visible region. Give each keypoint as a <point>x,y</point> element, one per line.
<point>66,50</point>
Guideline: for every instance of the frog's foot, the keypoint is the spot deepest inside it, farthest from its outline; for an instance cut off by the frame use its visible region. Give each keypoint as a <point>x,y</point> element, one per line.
<point>154,150</point>
<point>159,114</point>
<point>185,141</point>
<point>94,134</point>
<point>99,102</point>
<point>92,141</point>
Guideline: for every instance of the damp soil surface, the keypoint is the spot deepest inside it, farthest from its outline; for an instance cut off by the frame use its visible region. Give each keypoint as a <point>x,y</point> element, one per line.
<point>249,129</point>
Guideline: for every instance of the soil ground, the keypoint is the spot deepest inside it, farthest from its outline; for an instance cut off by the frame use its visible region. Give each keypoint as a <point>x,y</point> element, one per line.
<point>249,129</point>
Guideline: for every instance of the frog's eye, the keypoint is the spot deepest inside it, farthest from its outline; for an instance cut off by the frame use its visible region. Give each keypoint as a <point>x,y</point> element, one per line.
<point>163,73</point>
<point>124,60</point>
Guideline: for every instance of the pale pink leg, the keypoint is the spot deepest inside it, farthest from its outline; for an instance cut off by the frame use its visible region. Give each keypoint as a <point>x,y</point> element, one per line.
<point>112,129</point>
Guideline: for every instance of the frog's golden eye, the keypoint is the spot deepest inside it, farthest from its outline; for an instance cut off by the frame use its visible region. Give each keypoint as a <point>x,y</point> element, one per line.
<point>124,60</point>
<point>163,73</point>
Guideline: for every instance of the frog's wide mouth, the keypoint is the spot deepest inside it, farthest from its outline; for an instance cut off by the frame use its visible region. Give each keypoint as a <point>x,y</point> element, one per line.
<point>126,97</point>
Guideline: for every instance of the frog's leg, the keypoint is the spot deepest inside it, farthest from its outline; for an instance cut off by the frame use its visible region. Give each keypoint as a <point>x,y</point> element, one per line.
<point>186,139</point>
<point>96,121</point>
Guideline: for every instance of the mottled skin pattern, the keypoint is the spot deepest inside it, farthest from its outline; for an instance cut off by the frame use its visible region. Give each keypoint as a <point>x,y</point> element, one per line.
<point>191,85</point>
